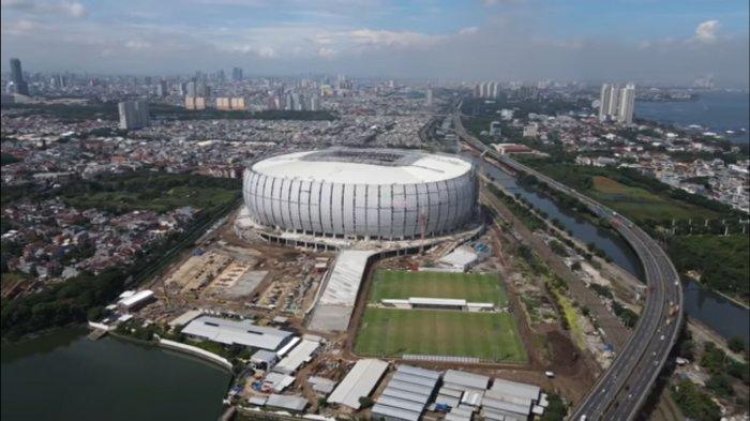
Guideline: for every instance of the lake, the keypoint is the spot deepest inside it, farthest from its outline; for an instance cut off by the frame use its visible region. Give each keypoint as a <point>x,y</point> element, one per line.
<point>65,376</point>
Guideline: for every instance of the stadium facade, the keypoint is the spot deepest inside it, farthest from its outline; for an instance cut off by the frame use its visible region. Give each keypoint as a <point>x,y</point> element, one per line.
<point>362,193</point>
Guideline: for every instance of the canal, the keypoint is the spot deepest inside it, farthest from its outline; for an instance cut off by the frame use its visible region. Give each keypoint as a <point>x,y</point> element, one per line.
<point>65,376</point>
<point>711,309</point>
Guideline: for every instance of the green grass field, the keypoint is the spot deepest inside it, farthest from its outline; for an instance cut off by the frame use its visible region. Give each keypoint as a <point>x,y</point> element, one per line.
<point>391,333</point>
<point>641,204</point>
<point>470,286</point>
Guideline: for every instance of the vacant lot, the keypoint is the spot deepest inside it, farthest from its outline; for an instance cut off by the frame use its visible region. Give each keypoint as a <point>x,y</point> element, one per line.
<point>469,286</point>
<point>641,204</point>
<point>391,333</point>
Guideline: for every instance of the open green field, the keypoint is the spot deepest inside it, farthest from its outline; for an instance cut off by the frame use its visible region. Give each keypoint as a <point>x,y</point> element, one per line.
<point>640,204</point>
<point>473,287</point>
<point>391,333</point>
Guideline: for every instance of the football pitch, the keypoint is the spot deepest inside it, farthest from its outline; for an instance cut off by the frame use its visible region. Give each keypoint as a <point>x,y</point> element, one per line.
<point>392,333</point>
<point>473,287</point>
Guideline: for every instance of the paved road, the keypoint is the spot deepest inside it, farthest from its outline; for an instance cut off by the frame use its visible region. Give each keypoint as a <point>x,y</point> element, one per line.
<point>623,388</point>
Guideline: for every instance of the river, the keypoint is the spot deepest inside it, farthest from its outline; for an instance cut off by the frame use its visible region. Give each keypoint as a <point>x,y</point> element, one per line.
<point>711,309</point>
<point>65,376</point>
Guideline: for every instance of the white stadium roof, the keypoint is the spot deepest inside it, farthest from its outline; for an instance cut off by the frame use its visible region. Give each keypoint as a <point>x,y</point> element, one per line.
<point>413,167</point>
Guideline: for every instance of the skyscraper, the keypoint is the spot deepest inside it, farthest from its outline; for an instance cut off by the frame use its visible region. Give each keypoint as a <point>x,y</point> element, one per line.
<point>16,75</point>
<point>133,114</point>
<point>617,104</point>
<point>161,89</point>
<point>428,97</point>
<point>627,104</point>
<point>237,74</point>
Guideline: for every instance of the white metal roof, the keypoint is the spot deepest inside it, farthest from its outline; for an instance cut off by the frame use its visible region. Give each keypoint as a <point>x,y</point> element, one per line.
<point>335,305</point>
<point>185,317</point>
<point>346,277</point>
<point>462,380</point>
<point>390,412</point>
<point>521,390</point>
<point>290,402</point>
<point>426,168</point>
<point>401,403</point>
<point>502,406</point>
<point>408,387</point>
<point>136,298</point>
<point>242,332</point>
<point>437,301</point>
<point>460,257</point>
<point>359,382</point>
<point>502,396</point>
<point>298,356</point>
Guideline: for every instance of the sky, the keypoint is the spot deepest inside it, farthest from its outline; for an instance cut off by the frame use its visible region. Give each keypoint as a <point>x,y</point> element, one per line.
<point>662,41</point>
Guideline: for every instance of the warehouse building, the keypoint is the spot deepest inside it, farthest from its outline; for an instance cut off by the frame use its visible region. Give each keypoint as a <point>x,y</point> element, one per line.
<point>406,395</point>
<point>299,355</point>
<point>237,332</point>
<point>359,382</point>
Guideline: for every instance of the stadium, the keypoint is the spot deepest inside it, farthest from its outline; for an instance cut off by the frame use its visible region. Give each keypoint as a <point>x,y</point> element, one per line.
<point>368,194</point>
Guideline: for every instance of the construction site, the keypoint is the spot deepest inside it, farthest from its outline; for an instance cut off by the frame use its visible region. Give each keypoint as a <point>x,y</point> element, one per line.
<point>302,324</point>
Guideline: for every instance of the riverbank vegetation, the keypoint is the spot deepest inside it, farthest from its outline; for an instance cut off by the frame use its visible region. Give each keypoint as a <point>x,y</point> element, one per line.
<point>719,262</point>
<point>693,227</point>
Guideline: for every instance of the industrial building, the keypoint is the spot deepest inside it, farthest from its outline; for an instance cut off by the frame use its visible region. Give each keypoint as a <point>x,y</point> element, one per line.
<point>239,332</point>
<point>360,381</point>
<point>132,300</point>
<point>406,395</point>
<point>362,193</point>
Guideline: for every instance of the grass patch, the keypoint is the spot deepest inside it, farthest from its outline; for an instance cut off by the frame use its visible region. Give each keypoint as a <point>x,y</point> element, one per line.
<point>392,333</point>
<point>641,204</point>
<point>469,286</point>
<point>569,312</point>
<point>154,191</point>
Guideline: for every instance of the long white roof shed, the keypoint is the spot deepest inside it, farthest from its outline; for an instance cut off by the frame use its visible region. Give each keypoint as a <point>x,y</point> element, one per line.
<point>359,382</point>
<point>521,390</point>
<point>301,354</point>
<point>406,394</point>
<point>335,305</point>
<point>461,380</point>
<point>241,332</point>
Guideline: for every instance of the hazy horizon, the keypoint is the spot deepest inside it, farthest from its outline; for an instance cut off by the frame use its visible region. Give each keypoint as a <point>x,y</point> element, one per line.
<point>667,42</point>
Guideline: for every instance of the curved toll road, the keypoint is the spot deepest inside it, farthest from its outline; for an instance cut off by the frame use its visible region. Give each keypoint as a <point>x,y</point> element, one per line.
<point>623,388</point>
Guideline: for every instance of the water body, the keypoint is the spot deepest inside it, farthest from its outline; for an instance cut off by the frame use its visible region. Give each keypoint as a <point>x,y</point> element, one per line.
<point>716,111</point>
<point>65,376</point>
<point>711,309</point>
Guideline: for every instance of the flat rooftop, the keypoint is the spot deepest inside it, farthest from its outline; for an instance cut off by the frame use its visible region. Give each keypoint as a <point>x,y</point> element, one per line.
<point>364,166</point>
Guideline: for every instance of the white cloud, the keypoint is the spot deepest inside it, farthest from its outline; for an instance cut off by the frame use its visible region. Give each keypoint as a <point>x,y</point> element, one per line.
<point>51,8</point>
<point>325,52</point>
<point>706,31</point>
<point>468,30</point>
<point>382,38</point>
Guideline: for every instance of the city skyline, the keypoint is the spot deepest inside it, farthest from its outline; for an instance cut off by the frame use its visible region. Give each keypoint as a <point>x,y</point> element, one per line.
<point>642,41</point>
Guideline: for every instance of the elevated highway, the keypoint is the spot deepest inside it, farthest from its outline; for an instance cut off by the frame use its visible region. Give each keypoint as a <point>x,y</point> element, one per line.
<point>622,390</point>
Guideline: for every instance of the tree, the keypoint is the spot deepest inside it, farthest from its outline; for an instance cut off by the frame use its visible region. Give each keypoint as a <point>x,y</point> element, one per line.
<point>366,402</point>
<point>737,345</point>
<point>556,410</point>
<point>720,385</point>
<point>694,403</point>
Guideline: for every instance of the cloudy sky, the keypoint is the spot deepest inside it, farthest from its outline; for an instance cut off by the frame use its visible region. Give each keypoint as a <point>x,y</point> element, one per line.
<point>641,40</point>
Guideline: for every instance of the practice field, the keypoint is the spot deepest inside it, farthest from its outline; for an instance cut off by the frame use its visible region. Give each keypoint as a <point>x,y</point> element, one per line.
<point>392,333</point>
<point>472,287</point>
<point>641,204</point>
